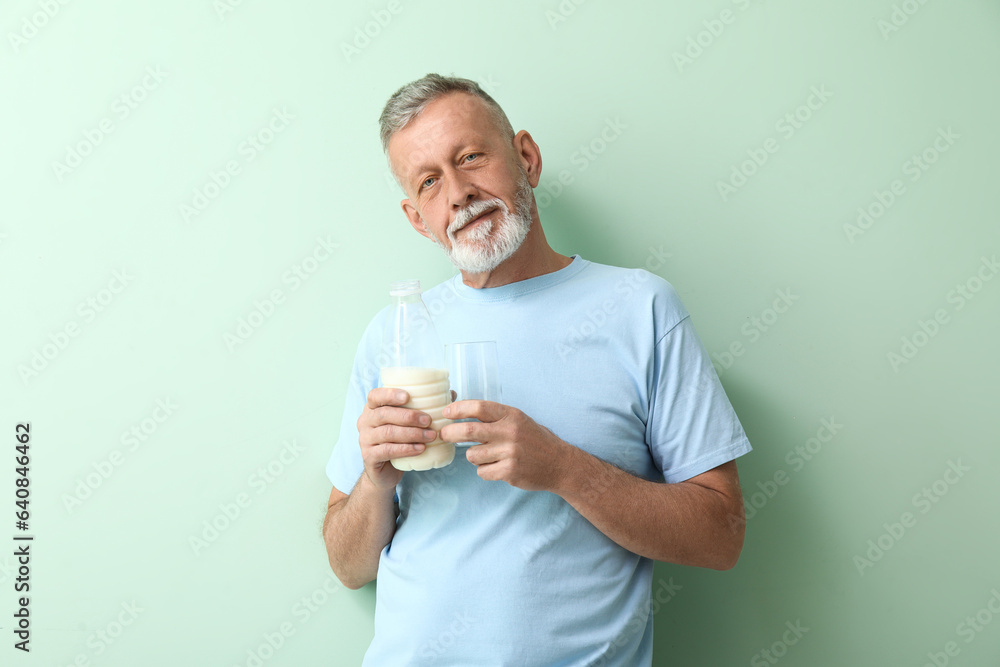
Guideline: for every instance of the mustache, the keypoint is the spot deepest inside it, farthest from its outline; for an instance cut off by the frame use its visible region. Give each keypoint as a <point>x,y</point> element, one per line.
<point>472,211</point>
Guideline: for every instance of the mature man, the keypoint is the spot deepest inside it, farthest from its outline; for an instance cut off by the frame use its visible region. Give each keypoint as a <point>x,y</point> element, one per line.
<point>612,449</point>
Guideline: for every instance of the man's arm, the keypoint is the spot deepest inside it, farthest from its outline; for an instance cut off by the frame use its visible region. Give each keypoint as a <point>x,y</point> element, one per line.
<point>358,526</point>
<point>356,529</point>
<point>696,522</point>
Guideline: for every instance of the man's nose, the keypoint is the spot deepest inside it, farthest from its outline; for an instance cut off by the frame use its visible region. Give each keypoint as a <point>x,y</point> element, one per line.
<point>461,192</point>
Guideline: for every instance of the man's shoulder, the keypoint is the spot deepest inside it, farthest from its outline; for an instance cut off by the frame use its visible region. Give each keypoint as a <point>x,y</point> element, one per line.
<point>371,336</point>
<point>637,281</point>
<point>637,291</point>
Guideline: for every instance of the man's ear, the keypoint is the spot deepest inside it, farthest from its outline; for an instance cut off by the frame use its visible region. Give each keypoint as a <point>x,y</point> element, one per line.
<point>416,221</point>
<point>530,156</point>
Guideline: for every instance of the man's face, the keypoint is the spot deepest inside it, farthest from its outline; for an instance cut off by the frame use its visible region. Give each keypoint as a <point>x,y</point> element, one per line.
<point>468,191</point>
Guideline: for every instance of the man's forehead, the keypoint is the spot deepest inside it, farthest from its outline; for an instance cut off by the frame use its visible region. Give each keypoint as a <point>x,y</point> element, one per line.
<point>443,127</point>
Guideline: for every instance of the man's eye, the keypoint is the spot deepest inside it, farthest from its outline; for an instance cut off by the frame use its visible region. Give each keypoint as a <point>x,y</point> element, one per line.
<point>471,155</point>
<point>427,183</point>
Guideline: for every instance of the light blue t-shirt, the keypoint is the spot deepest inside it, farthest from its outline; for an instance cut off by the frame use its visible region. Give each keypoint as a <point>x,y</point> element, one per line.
<point>482,573</point>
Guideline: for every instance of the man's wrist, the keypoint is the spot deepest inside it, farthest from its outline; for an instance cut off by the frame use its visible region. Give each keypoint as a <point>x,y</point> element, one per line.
<point>374,489</point>
<point>584,476</point>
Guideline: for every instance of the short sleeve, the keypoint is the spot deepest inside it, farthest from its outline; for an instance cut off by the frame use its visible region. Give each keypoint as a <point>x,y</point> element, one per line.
<point>345,464</point>
<point>692,426</point>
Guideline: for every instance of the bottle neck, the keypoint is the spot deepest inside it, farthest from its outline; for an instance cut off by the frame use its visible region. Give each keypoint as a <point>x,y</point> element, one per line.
<point>407,299</point>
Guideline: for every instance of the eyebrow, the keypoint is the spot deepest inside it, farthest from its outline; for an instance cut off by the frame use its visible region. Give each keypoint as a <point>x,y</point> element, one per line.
<point>461,146</point>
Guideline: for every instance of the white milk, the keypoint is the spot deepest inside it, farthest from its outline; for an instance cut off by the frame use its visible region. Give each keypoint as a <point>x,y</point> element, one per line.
<point>429,392</point>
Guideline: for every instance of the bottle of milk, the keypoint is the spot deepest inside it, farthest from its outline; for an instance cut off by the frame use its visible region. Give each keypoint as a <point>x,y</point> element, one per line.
<point>414,360</point>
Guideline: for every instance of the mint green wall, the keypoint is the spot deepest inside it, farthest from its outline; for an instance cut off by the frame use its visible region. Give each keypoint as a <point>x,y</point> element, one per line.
<point>167,326</point>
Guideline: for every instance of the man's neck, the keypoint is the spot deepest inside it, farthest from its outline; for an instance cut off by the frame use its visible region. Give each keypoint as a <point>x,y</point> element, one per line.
<point>528,262</point>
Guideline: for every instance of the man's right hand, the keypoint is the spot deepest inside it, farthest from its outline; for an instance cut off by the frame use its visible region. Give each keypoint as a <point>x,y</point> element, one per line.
<point>387,431</point>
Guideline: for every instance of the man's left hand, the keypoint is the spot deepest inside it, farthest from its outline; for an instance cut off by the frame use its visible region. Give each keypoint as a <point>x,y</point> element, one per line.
<point>514,448</point>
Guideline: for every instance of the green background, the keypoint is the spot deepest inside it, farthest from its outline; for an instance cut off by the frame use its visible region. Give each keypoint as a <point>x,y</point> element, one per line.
<point>648,198</point>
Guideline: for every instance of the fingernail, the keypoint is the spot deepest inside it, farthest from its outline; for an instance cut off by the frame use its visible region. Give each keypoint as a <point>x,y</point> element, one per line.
<point>446,412</point>
<point>430,434</point>
<point>400,396</point>
<point>424,420</point>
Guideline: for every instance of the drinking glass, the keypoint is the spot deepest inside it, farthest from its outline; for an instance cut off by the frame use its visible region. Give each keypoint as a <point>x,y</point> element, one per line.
<point>472,369</point>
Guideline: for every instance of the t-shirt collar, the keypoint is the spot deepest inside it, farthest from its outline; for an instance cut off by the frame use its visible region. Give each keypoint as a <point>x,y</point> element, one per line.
<point>521,287</point>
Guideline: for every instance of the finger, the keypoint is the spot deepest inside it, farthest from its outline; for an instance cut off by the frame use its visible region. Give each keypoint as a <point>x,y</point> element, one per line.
<point>485,411</point>
<point>386,396</point>
<point>466,432</point>
<point>481,455</point>
<point>393,434</point>
<point>491,472</point>
<point>399,417</point>
<point>385,452</point>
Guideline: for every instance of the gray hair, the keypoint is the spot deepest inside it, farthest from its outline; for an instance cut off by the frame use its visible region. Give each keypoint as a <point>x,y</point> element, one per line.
<point>407,102</point>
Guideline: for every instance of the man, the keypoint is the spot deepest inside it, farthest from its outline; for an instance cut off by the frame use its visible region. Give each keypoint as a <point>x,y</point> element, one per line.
<point>611,450</point>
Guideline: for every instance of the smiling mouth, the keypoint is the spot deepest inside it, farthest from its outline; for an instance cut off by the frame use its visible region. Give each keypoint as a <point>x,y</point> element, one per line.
<point>477,220</point>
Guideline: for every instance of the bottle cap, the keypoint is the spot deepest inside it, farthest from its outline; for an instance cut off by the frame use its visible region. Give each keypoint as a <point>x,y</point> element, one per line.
<point>404,287</point>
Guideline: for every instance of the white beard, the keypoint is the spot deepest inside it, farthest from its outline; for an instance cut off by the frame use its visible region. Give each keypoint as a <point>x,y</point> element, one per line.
<point>489,245</point>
